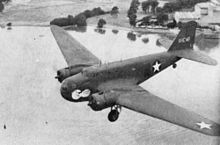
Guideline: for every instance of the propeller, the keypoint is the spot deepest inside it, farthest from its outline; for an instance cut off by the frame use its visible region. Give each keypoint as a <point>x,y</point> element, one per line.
<point>55,69</point>
<point>77,94</point>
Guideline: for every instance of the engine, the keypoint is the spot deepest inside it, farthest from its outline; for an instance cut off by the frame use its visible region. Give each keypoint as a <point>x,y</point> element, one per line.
<point>69,71</point>
<point>99,101</point>
<point>70,85</point>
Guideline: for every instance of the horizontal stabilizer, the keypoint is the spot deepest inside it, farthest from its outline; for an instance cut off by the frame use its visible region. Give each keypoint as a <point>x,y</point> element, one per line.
<point>195,56</point>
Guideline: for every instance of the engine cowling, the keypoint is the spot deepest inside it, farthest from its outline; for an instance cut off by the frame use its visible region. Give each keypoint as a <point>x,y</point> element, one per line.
<point>70,71</point>
<point>71,84</point>
<point>100,101</point>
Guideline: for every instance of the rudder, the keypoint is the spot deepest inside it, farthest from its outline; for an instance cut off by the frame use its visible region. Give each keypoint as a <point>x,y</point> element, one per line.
<point>185,38</point>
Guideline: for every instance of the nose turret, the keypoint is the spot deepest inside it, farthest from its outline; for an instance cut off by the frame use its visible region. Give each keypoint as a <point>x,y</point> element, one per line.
<point>66,90</point>
<point>71,84</point>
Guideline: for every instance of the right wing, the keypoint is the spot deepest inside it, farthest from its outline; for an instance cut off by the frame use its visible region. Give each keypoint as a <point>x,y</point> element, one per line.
<point>136,98</point>
<point>73,52</point>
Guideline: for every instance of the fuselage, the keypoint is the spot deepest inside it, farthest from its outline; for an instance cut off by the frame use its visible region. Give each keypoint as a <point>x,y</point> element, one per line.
<point>136,70</point>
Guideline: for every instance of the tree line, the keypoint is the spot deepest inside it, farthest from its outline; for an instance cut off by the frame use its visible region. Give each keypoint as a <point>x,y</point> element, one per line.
<point>169,7</point>
<point>80,19</point>
<point>132,12</point>
<point>2,2</point>
<point>160,13</point>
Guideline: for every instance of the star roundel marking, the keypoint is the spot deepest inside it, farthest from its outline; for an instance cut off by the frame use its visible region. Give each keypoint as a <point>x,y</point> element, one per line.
<point>204,125</point>
<point>156,66</point>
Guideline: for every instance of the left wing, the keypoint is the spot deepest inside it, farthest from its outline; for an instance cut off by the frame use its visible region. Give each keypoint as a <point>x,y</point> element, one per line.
<point>73,52</point>
<point>136,98</point>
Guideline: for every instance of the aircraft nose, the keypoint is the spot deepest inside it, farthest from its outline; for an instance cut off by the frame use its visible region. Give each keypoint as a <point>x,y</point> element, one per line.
<point>67,89</point>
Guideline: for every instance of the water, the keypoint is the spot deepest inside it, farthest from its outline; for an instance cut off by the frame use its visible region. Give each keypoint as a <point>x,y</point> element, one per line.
<point>29,58</point>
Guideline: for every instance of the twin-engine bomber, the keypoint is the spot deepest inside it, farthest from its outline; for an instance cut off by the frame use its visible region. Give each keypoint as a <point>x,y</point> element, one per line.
<point>115,85</point>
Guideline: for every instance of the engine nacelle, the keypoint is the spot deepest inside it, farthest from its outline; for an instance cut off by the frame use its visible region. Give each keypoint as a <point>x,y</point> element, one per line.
<point>100,101</point>
<point>70,71</point>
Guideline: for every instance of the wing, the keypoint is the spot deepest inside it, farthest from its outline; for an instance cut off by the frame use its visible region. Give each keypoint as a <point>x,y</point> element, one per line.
<point>136,98</point>
<point>73,52</point>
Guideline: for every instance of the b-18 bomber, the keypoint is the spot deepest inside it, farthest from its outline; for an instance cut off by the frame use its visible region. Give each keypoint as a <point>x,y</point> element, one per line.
<point>116,84</point>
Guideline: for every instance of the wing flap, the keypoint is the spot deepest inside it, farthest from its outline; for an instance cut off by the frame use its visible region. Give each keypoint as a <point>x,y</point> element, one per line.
<point>144,102</point>
<point>73,52</point>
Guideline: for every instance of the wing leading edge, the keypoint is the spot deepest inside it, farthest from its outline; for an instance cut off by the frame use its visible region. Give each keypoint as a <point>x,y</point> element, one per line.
<point>144,102</point>
<point>73,52</point>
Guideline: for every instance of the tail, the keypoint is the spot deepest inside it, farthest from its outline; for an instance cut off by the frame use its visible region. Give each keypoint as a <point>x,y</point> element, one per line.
<point>183,45</point>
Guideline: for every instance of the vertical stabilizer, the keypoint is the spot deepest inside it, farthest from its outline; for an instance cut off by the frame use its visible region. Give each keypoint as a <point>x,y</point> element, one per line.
<point>183,45</point>
<point>185,38</point>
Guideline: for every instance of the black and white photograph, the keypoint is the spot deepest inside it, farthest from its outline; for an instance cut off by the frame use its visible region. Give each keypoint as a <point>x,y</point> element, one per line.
<point>109,72</point>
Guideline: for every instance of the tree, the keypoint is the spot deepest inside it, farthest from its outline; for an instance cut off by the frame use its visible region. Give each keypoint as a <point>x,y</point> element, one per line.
<point>133,7</point>
<point>154,4</point>
<point>145,6</point>
<point>180,4</point>
<point>132,20</point>
<point>101,23</point>
<point>131,36</point>
<point>88,13</point>
<point>60,22</point>
<point>149,3</point>
<point>132,12</point>
<point>6,1</point>
<point>159,10</point>
<point>135,4</point>
<point>171,7</point>
<point>2,4</point>
<point>1,7</point>
<point>145,40</point>
<point>71,19</point>
<point>80,20</point>
<point>114,11</point>
<point>98,11</point>
<point>161,18</point>
<point>115,31</point>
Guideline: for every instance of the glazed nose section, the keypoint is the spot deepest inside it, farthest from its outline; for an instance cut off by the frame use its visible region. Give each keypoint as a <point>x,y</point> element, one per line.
<point>67,89</point>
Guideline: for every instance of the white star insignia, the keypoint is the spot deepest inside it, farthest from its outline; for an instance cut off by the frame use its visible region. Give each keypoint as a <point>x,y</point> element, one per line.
<point>204,125</point>
<point>156,66</point>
